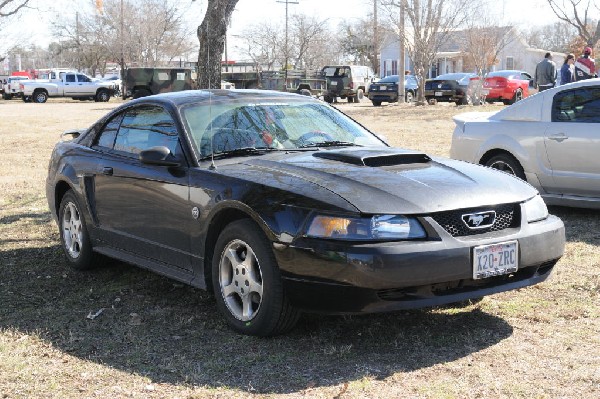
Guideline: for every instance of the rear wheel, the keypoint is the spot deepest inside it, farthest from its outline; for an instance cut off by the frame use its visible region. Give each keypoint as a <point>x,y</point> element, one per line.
<point>376,103</point>
<point>517,97</point>
<point>328,99</point>
<point>7,96</point>
<point>360,94</point>
<point>247,282</point>
<point>141,93</point>
<point>102,96</point>
<point>506,163</point>
<point>40,97</point>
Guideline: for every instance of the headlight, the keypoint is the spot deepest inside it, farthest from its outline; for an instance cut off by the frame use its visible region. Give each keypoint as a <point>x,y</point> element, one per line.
<point>381,227</point>
<point>535,209</point>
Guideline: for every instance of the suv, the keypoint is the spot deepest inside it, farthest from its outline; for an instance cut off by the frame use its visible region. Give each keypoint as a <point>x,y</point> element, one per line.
<point>347,81</point>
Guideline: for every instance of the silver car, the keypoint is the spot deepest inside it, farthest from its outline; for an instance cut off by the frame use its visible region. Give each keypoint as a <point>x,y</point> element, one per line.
<point>551,139</point>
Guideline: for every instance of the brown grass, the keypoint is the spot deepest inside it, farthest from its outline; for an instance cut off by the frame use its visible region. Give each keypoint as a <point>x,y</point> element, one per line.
<point>159,339</point>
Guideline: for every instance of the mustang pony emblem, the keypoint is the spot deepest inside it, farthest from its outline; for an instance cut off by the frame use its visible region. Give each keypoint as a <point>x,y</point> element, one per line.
<point>480,220</point>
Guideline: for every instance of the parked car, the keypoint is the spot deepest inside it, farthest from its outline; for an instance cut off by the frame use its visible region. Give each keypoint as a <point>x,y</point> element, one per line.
<point>451,87</point>
<point>550,139</point>
<point>386,89</point>
<point>508,86</point>
<point>66,84</point>
<point>280,204</point>
<point>347,81</point>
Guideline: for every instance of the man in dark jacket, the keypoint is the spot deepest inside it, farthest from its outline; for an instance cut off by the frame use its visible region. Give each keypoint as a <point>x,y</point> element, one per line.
<point>585,66</point>
<point>545,73</point>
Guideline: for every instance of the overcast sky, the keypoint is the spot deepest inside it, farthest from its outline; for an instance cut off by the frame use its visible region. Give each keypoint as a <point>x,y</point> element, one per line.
<point>522,13</point>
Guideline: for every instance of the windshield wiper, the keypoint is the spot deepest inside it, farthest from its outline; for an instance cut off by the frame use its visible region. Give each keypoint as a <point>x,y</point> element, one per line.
<point>331,143</point>
<point>240,151</point>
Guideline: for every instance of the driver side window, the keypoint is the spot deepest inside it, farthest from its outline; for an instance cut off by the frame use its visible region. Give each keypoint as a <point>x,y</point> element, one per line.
<point>146,127</point>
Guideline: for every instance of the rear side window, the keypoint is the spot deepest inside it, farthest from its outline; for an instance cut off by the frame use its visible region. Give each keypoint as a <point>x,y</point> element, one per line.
<point>146,127</point>
<point>577,106</point>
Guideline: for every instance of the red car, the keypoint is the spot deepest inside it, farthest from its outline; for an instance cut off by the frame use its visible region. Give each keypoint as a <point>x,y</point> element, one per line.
<point>508,86</point>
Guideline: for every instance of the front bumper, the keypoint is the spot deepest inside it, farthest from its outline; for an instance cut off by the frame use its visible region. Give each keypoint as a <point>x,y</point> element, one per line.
<point>330,277</point>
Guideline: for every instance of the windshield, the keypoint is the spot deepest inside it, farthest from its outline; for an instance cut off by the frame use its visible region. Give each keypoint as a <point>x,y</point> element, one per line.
<point>271,123</point>
<point>336,72</point>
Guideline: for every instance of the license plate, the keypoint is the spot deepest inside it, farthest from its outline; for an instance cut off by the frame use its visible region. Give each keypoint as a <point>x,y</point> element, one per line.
<point>438,94</point>
<point>333,83</point>
<point>485,92</point>
<point>495,259</point>
<point>383,87</point>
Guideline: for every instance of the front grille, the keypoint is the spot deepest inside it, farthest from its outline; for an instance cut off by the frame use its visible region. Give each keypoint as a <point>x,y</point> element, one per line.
<point>463,286</point>
<point>507,216</point>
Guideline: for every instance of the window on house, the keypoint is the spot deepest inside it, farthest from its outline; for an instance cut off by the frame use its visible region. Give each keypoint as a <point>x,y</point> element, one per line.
<point>510,63</point>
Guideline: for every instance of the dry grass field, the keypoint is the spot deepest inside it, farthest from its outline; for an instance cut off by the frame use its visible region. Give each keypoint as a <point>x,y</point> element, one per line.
<point>153,338</point>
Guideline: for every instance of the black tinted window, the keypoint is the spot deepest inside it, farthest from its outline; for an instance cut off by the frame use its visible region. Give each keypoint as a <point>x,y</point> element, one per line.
<point>70,78</point>
<point>581,106</point>
<point>146,127</point>
<point>107,136</point>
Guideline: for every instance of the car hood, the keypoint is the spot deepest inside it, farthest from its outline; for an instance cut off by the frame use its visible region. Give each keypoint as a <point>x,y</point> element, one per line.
<point>391,180</point>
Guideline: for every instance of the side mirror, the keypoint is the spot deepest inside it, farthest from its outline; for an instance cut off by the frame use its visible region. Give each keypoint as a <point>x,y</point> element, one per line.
<point>160,156</point>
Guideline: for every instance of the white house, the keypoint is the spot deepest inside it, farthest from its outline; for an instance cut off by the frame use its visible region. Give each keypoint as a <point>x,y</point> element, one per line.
<point>516,54</point>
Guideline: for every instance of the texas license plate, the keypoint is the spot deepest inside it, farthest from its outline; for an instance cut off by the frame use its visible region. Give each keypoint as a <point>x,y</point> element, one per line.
<point>438,93</point>
<point>495,259</point>
<point>383,87</point>
<point>333,83</point>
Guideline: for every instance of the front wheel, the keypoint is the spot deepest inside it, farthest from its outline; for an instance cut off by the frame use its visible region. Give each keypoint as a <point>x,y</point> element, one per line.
<point>74,237</point>
<point>506,163</point>
<point>247,282</point>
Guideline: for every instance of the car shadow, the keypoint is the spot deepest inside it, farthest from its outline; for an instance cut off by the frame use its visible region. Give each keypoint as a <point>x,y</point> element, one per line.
<point>133,320</point>
<point>581,224</point>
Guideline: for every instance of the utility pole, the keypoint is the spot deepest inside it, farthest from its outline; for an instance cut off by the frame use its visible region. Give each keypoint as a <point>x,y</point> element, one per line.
<point>401,67</point>
<point>286,2</point>
<point>123,95</point>
<point>376,37</point>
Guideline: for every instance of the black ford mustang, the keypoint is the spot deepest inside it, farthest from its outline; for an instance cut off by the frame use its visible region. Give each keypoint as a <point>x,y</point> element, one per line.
<point>282,204</point>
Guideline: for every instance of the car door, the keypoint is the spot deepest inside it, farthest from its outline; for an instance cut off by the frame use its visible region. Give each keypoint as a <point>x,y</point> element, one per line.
<point>143,209</point>
<point>85,86</point>
<point>572,142</point>
<point>70,85</point>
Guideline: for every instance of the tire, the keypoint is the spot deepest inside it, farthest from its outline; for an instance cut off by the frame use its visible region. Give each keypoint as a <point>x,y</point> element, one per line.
<point>328,99</point>
<point>506,163</point>
<point>7,96</point>
<point>40,97</point>
<point>350,100</point>
<point>102,96</point>
<point>517,97</point>
<point>410,97</point>
<point>376,103</point>
<point>73,233</point>
<point>26,99</point>
<point>249,292</point>
<point>360,94</point>
<point>141,93</point>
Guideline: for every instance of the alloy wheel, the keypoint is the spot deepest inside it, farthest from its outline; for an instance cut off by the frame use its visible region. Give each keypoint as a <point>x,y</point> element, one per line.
<point>72,230</point>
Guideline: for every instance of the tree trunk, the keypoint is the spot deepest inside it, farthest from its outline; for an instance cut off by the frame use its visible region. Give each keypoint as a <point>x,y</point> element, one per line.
<point>211,35</point>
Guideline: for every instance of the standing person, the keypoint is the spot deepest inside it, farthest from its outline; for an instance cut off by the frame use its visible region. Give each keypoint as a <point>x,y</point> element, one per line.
<point>585,66</point>
<point>567,71</point>
<point>545,73</point>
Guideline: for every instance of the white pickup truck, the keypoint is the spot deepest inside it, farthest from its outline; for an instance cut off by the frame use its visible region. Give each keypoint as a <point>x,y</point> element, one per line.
<point>11,87</point>
<point>66,84</point>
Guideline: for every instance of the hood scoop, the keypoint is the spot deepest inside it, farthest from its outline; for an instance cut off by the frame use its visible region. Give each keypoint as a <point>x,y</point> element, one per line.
<point>374,158</point>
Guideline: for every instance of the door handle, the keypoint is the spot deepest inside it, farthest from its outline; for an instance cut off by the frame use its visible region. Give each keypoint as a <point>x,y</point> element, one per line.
<point>108,171</point>
<point>558,137</point>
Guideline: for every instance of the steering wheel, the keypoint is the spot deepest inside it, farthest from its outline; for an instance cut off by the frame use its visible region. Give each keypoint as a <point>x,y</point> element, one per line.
<point>309,137</point>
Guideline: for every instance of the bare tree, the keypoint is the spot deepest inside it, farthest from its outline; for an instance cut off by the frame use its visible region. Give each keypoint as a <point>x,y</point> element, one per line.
<point>149,39</point>
<point>310,47</point>
<point>360,41</point>
<point>560,37</point>
<point>577,14</point>
<point>430,21</point>
<point>263,45</point>
<point>211,35</point>
<point>11,7</point>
